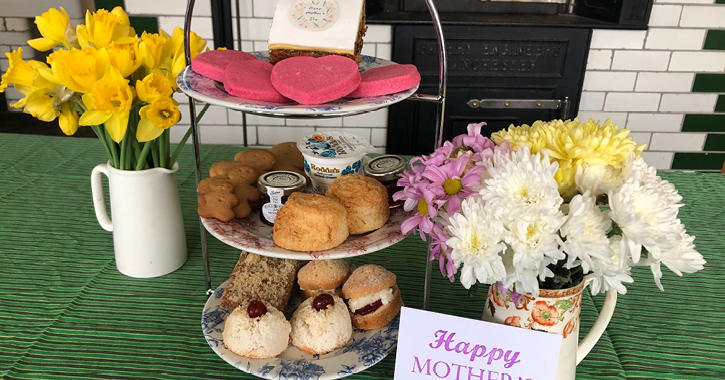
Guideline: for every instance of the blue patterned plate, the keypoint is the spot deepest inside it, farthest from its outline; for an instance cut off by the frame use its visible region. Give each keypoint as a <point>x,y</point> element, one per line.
<point>209,91</point>
<point>365,350</point>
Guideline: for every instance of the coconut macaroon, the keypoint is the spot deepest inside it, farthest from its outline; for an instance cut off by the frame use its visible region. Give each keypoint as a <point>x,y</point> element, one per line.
<point>310,222</point>
<point>323,276</point>
<point>257,331</point>
<point>321,324</point>
<point>372,296</point>
<point>365,200</point>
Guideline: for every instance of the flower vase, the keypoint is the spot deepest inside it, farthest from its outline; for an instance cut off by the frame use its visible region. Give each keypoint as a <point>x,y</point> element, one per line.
<point>147,225</point>
<point>554,311</point>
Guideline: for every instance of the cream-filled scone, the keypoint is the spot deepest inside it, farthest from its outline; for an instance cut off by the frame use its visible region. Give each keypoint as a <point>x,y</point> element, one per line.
<point>323,276</point>
<point>321,324</point>
<point>365,200</point>
<point>372,296</point>
<point>257,330</point>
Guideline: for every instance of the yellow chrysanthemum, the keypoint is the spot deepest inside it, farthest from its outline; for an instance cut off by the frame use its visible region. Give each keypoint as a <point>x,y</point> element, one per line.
<point>155,49</point>
<point>565,176</point>
<point>54,25</point>
<point>126,58</point>
<point>153,86</point>
<point>521,136</point>
<point>162,114</point>
<point>103,29</point>
<point>109,103</point>
<point>79,69</point>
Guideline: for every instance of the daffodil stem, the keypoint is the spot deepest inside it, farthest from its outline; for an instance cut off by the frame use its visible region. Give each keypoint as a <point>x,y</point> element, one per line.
<point>124,149</point>
<point>155,153</point>
<point>99,132</point>
<point>164,153</point>
<point>112,146</point>
<point>183,141</point>
<point>142,157</point>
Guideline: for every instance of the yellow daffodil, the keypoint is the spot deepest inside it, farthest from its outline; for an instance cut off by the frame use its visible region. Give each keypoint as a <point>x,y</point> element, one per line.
<point>155,49</point>
<point>109,102</point>
<point>162,114</point>
<point>68,118</point>
<point>20,73</point>
<point>154,86</point>
<point>126,58</point>
<point>178,60</point>
<point>40,106</point>
<point>54,25</point>
<point>79,69</point>
<point>103,29</point>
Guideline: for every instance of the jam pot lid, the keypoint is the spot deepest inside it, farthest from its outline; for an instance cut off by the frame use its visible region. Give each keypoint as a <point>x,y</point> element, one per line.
<point>334,145</point>
<point>386,167</point>
<point>282,180</point>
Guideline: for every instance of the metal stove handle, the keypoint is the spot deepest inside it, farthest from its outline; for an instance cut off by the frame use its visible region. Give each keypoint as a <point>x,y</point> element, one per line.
<point>563,105</point>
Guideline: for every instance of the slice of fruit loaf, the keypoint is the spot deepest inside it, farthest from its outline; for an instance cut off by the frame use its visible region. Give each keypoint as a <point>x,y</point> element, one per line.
<point>261,278</point>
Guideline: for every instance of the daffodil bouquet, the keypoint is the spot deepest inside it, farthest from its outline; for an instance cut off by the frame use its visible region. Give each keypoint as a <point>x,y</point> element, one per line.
<point>542,206</point>
<point>103,75</point>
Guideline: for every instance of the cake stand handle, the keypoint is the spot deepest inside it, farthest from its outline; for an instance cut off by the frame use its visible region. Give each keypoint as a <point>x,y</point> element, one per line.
<point>197,142</point>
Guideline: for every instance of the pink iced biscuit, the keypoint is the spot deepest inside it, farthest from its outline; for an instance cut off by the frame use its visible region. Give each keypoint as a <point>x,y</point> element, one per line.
<point>386,80</point>
<point>310,80</point>
<point>212,63</point>
<point>250,80</point>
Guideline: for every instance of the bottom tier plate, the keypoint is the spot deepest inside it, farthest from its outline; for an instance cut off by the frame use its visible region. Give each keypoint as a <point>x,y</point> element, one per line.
<point>366,349</point>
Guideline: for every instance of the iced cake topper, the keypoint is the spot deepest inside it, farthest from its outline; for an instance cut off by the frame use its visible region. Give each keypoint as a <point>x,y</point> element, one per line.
<point>314,15</point>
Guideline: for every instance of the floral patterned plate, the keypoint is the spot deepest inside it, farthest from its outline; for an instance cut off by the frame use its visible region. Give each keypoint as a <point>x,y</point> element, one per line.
<point>365,350</point>
<point>251,235</point>
<point>212,92</point>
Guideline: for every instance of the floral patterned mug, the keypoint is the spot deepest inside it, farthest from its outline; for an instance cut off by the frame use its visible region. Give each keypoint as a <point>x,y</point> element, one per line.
<point>554,311</point>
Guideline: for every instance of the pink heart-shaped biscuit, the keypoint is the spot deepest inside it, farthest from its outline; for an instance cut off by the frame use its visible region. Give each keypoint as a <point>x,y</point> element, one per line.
<point>386,80</point>
<point>310,80</point>
<point>250,80</point>
<point>212,63</point>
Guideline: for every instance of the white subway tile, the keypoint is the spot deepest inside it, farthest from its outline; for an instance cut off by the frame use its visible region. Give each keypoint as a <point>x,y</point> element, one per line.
<point>13,24</point>
<point>2,25</point>
<point>199,25</point>
<point>369,49</point>
<point>375,119</point>
<point>660,160</point>
<point>13,95</point>
<point>276,135</point>
<point>609,81</point>
<point>622,101</point>
<point>215,115</point>
<point>385,51</point>
<point>684,1</point>
<point>617,39</point>
<point>675,39</point>
<point>688,102</point>
<point>379,137</point>
<point>703,17</point>
<point>246,45</point>
<point>379,33</point>
<point>697,61</point>
<point>655,122</point>
<point>360,132</point>
<point>641,138</point>
<point>15,38</point>
<point>665,15</point>
<point>166,7</point>
<point>678,142</point>
<point>328,122</point>
<point>227,135</point>
<point>640,60</point>
<point>664,82</point>
<point>619,118</point>
<point>255,29</point>
<point>592,101</point>
<point>235,118</point>
<point>599,59</point>
<point>4,65</point>
<point>261,46</point>
<point>264,8</point>
<point>4,49</point>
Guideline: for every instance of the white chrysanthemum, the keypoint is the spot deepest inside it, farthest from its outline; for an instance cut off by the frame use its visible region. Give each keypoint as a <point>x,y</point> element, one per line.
<point>637,169</point>
<point>597,179</point>
<point>476,243</point>
<point>681,258</point>
<point>607,272</point>
<point>646,216</point>
<point>522,184</point>
<point>585,233</point>
<point>535,241</point>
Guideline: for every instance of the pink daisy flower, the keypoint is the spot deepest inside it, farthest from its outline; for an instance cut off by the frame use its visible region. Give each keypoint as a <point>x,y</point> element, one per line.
<point>449,182</point>
<point>423,219</point>
<point>439,250</point>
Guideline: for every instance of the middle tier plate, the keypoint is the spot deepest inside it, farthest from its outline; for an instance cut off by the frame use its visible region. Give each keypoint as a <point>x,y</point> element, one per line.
<point>251,235</point>
<point>212,92</point>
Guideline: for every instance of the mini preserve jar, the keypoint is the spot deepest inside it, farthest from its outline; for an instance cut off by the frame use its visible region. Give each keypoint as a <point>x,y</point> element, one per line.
<point>276,187</point>
<point>387,169</point>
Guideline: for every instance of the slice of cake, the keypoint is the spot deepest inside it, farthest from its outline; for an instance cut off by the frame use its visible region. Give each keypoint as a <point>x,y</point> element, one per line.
<point>261,278</point>
<point>316,28</point>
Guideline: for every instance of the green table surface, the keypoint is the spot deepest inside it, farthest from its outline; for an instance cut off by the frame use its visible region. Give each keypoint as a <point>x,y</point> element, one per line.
<point>66,312</point>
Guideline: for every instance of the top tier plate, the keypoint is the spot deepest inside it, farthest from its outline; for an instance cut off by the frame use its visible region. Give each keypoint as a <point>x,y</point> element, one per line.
<point>212,92</point>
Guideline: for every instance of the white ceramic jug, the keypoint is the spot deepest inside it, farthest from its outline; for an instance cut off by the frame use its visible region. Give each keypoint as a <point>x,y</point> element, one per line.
<point>554,311</point>
<point>147,225</point>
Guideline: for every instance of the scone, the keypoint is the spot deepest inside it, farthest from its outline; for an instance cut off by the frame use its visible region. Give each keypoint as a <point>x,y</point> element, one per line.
<point>321,324</point>
<point>372,296</point>
<point>310,222</point>
<point>365,200</point>
<point>323,276</point>
<point>255,277</point>
<point>256,330</point>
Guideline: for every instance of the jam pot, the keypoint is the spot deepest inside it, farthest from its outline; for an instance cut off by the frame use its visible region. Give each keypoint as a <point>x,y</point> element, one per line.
<point>387,169</point>
<point>276,187</point>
